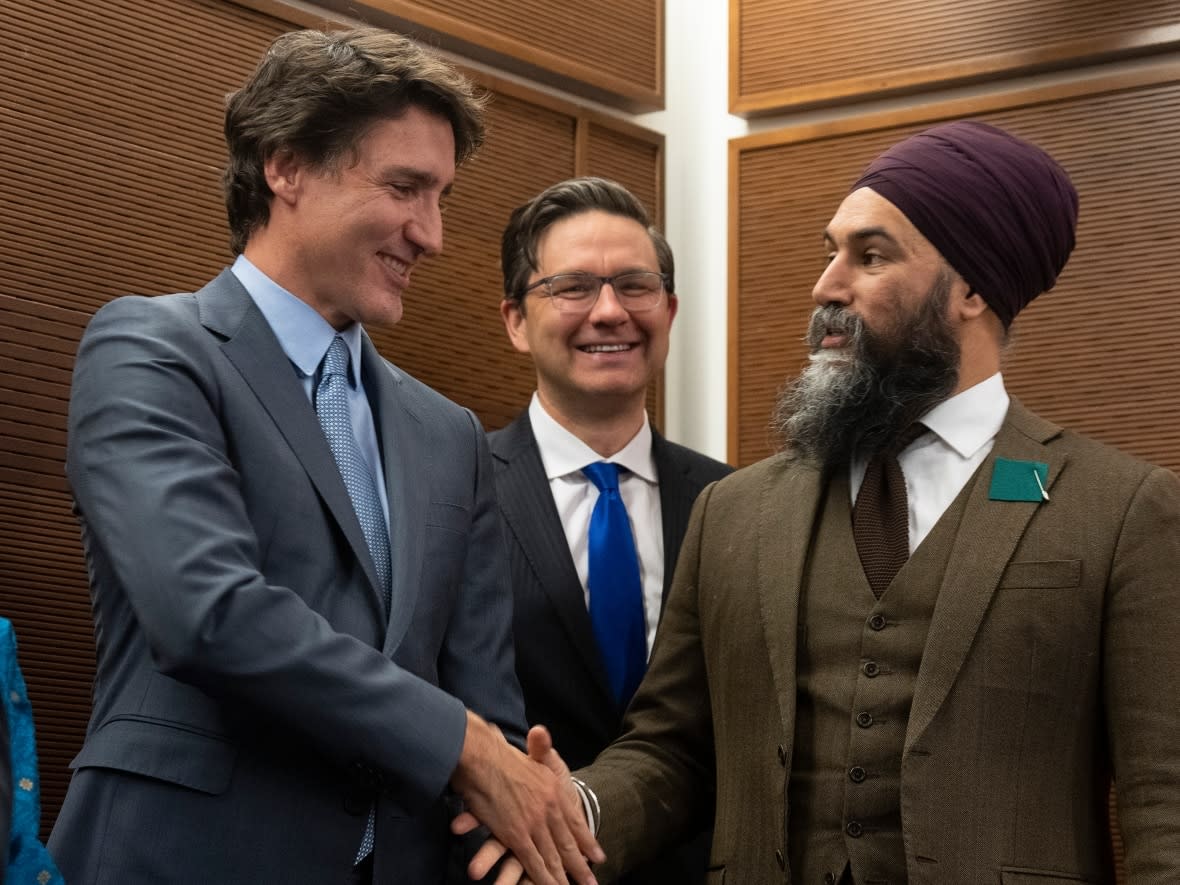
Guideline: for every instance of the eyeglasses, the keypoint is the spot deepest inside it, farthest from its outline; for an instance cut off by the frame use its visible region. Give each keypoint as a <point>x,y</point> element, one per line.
<point>637,290</point>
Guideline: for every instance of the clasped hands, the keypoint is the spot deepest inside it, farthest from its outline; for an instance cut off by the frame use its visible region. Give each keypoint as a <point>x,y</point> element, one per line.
<point>530,805</point>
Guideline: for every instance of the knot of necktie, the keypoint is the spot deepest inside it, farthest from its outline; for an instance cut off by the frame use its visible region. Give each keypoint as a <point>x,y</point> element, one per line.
<point>906,438</point>
<point>604,475</point>
<point>336,360</point>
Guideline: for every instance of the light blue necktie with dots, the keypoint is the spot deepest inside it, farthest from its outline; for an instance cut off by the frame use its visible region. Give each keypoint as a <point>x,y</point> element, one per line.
<point>331,407</point>
<point>616,591</point>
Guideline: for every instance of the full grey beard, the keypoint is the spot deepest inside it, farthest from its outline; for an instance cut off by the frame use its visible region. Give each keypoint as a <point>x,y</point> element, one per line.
<point>863,397</point>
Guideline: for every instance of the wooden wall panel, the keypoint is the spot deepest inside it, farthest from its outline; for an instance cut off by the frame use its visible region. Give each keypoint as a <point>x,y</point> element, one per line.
<point>794,53</point>
<point>111,153</point>
<point>610,50</point>
<point>1095,354</point>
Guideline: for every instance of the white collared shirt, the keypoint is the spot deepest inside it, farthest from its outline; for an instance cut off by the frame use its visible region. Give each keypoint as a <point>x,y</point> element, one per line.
<point>563,456</point>
<point>938,464</point>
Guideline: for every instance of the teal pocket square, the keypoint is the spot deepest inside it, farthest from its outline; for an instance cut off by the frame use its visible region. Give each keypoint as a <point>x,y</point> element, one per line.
<point>1019,481</point>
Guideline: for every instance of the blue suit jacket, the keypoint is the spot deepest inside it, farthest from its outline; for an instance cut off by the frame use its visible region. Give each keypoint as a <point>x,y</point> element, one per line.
<point>250,699</point>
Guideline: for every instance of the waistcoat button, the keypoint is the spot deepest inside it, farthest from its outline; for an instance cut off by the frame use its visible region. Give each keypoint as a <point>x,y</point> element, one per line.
<point>854,829</point>
<point>856,774</point>
<point>871,668</point>
<point>877,622</point>
<point>864,720</point>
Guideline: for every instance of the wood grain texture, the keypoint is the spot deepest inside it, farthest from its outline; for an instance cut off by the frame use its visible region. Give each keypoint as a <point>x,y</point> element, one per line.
<point>609,50</point>
<point>806,52</point>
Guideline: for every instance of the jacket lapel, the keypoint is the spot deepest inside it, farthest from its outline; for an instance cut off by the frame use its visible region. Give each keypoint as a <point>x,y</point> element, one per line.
<point>527,505</point>
<point>227,310</point>
<point>786,516</point>
<point>406,456</point>
<point>678,492</point>
<point>987,538</point>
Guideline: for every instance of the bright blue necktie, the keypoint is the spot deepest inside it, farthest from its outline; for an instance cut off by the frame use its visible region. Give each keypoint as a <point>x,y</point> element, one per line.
<point>331,407</point>
<point>616,592</point>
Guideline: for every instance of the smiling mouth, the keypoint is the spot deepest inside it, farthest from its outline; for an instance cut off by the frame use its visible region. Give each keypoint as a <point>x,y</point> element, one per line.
<point>396,265</point>
<point>605,348</point>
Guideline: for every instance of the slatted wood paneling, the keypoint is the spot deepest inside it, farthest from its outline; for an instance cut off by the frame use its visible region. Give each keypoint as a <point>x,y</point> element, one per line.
<point>791,53</point>
<point>1096,354</point>
<point>608,50</point>
<point>111,154</point>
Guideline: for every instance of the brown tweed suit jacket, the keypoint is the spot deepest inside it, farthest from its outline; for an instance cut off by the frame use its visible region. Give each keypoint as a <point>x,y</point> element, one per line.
<point>1053,661</point>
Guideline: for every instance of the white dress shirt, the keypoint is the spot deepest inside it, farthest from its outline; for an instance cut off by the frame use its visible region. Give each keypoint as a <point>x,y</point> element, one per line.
<point>938,464</point>
<point>563,456</point>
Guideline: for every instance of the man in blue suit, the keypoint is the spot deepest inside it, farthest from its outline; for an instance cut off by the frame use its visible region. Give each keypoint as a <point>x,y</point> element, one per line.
<point>297,570</point>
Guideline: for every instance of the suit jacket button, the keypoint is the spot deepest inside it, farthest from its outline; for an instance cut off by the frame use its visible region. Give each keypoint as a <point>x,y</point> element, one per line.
<point>857,775</point>
<point>780,859</point>
<point>782,755</point>
<point>854,829</point>
<point>864,720</point>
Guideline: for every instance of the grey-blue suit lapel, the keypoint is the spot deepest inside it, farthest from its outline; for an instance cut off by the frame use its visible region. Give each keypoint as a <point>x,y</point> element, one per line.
<point>405,456</point>
<point>227,310</point>
<point>527,505</point>
<point>987,538</point>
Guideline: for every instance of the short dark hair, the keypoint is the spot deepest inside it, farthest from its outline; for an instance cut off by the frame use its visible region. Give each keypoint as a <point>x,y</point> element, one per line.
<point>317,93</point>
<point>518,245</point>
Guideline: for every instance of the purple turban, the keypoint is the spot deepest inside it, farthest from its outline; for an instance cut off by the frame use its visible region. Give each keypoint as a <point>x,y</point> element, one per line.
<point>999,209</point>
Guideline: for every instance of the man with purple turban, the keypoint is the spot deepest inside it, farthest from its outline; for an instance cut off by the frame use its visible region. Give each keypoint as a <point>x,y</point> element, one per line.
<point>915,646</point>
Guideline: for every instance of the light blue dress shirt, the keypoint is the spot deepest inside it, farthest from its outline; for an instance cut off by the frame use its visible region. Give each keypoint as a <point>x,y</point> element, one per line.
<point>305,336</point>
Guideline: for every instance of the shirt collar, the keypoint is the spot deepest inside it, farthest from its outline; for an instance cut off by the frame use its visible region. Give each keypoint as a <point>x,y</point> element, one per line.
<point>303,334</point>
<point>563,454</point>
<point>969,420</point>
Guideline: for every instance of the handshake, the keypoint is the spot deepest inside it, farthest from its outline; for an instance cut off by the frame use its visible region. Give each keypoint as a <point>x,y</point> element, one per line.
<point>530,805</point>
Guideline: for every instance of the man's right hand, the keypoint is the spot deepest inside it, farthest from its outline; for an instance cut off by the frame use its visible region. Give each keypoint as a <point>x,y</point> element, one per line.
<point>532,812</point>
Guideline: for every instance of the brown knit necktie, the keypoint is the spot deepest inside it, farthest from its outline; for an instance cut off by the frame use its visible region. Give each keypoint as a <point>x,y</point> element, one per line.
<point>880,519</point>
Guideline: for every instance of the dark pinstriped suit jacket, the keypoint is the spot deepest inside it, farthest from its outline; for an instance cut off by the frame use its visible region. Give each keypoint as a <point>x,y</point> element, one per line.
<point>557,660</point>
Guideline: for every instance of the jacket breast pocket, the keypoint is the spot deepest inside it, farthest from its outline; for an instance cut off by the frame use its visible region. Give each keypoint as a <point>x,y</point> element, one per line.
<point>1045,575</point>
<point>452,517</point>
